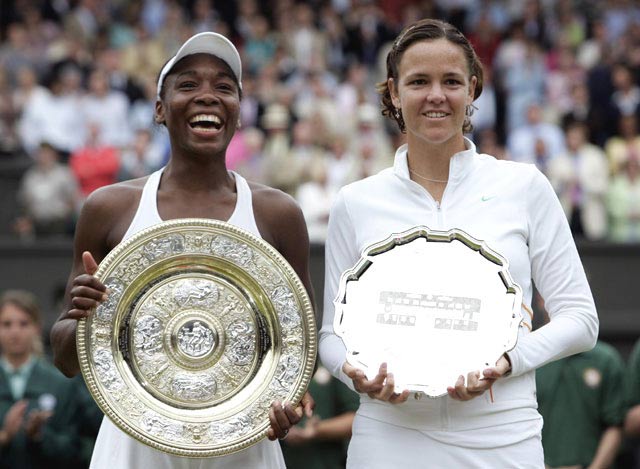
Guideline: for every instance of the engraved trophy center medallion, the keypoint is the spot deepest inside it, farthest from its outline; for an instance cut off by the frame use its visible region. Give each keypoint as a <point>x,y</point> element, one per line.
<point>196,339</point>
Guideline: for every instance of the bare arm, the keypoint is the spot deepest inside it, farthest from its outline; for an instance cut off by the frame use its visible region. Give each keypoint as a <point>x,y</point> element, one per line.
<point>98,219</point>
<point>332,429</point>
<point>282,224</point>
<point>607,448</point>
<point>632,422</point>
<point>292,241</point>
<point>335,428</point>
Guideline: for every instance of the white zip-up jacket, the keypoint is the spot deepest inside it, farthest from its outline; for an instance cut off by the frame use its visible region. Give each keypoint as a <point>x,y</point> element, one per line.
<point>513,208</point>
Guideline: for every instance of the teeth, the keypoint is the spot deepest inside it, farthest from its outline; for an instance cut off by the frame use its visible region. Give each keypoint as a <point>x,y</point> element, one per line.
<point>436,114</point>
<point>205,118</point>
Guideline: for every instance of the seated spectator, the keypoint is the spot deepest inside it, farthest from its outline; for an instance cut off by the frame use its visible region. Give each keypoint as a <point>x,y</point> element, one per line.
<point>623,204</point>
<point>38,405</point>
<point>321,442</point>
<point>581,399</point>
<point>94,165</point>
<point>624,146</point>
<point>48,196</point>
<point>580,178</point>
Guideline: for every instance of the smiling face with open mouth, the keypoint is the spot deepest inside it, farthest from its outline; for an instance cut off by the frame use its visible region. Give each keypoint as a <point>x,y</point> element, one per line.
<point>200,105</point>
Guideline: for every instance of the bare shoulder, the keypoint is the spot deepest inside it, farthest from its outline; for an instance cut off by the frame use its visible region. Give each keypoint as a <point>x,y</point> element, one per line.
<point>278,216</point>
<point>115,196</point>
<point>108,211</point>
<point>281,223</point>
<point>272,202</point>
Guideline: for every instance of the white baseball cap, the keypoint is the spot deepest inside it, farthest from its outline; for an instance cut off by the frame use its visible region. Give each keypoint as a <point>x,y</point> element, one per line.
<point>205,43</point>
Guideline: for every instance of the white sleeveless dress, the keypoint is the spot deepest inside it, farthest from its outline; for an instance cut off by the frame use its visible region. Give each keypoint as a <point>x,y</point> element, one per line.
<point>114,449</point>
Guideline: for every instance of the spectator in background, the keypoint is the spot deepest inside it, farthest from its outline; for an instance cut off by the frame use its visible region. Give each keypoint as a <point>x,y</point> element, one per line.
<point>38,405</point>
<point>17,52</point>
<point>341,164</point>
<point>590,52</point>
<point>27,88</point>
<point>315,197</point>
<point>144,56</point>
<point>537,141</point>
<point>94,165</point>
<point>9,141</point>
<point>489,144</point>
<point>109,60</point>
<point>486,114</point>
<point>307,44</point>
<point>141,158</point>
<point>261,44</point>
<point>321,441</point>
<point>280,170</point>
<point>561,78</point>
<point>335,37</point>
<point>485,38</point>
<point>48,196</point>
<point>307,153</point>
<point>251,167</point>
<point>350,93</point>
<point>580,177</point>
<point>581,399</point>
<point>625,146</point>
<point>581,111</point>
<point>524,82</point>
<point>625,100</point>
<point>55,117</point>
<point>535,23</point>
<point>108,109</point>
<point>369,142</point>
<point>141,116</point>
<point>623,203</point>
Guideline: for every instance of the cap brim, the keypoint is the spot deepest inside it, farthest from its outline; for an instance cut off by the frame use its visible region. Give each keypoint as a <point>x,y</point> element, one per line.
<point>206,43</point>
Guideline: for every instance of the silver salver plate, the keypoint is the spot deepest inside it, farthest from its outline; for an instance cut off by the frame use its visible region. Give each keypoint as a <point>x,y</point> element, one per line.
<point>433,305</point>
<point>204,327</point>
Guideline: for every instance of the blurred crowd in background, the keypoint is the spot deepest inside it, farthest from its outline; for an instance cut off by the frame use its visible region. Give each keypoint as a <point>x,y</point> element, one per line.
<point>77,94</point>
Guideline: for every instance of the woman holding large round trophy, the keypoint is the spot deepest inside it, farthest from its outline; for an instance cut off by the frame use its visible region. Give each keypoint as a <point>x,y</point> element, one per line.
<point>442,193</point>
<point>188,328</point>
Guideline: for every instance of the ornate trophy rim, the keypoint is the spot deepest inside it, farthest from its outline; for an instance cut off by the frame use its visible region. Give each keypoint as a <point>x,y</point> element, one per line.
<point>368,258</point>
<point>301,344</point>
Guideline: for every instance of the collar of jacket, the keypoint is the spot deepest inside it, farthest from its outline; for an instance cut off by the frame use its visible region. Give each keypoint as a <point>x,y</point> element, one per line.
<point>461,162</point>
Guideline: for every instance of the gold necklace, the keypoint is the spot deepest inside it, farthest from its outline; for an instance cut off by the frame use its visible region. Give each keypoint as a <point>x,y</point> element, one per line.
<point>439,181</point>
